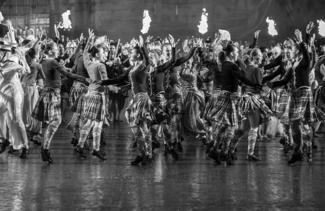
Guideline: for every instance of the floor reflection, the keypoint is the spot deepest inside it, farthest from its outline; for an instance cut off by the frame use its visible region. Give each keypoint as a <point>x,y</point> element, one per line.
<point>192,183</point>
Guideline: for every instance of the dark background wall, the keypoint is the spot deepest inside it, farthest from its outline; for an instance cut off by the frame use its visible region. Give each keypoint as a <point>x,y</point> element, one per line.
<point>123,18</point>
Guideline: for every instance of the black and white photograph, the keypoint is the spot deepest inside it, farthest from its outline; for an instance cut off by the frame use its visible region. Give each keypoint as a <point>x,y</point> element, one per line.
<point>171,105</point>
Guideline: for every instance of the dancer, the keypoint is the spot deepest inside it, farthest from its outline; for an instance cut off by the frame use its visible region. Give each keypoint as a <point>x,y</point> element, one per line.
<point>139,113</point>
<point>252,106</point>
<point>157,96</point>
<point>48,108</point>
<point>226,110</point>
<point>302,110</point>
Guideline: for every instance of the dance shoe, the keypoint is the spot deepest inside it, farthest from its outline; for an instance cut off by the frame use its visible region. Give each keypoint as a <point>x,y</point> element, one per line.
<point>137,160</point>
<point>179,147</point>
<point>98,154</point>
<point>4,145</point>
<point>81,152</point>
<point>174,154</point>
<point>282,141</point>
<point>74,142</point>
<point>146,160</point>
<point>155,145</point>
<point>23,154</point>
<point>12,150</point>
<point>296,156</point>
<point>253,158</point>
<point>46,155</point>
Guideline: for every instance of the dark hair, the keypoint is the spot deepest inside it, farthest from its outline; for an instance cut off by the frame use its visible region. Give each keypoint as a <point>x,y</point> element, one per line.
<point>32,53</point>
<point>137,49</point>
<point>95,49</point>
<point>48,47</point>
<point>226,52</point>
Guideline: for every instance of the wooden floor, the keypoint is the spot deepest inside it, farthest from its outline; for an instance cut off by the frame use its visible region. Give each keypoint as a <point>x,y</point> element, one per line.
<point>192,183</point>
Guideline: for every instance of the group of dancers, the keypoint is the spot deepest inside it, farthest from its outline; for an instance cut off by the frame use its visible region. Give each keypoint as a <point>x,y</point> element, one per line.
<point>215,90</point>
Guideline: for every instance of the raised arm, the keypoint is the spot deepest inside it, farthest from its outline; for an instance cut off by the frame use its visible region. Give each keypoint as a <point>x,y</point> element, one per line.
<point>185,58</point>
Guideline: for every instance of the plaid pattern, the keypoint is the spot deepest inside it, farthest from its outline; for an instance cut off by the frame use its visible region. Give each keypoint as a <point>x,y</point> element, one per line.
<point>140,109</point>
<point>48,106</point>
<point>281,104</point>
<point>209,107</point>
<point>161,114</point>
<point>174,96</point>
<point>93,106</point>
<point>302,107</point>
<point>75,92</point>
<point>225,110</point>
<point>249,102</point>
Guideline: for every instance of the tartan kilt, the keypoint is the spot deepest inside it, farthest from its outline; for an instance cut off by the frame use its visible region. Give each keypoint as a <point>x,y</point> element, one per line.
<point>161,114</point>
<point>225,110</point>
<point>281,105</point>
<point>302,107</point>
<point>250,102</point>
<point>174,97</point>
<point>93,106</point>
<point>210,105</point>
<point>139,110</point>
<point>48,106</point>
<point>75,92</point>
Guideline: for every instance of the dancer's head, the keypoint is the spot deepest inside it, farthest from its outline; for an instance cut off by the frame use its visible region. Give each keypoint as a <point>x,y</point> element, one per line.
<point>230,52</point>
<point>51,50</point>
<point>97,52</point>
<point>136,54</point>
<point>291,49</point>
<point>167,51</point>
<point>256,56</point>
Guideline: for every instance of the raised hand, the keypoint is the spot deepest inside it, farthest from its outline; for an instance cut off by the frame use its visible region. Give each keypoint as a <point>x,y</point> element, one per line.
<point>172,41</point>
<point>91,33</point>
<point>310,27</point>
<point>149,38</point>
<point>298,35</point>
<point>257,33</point>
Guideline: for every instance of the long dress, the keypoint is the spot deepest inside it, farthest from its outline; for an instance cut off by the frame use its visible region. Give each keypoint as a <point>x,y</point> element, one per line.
<point>194,104</point>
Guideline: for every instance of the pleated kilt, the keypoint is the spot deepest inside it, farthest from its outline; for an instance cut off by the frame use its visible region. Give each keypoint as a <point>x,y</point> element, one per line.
<point>174,97</point>
<point>210,105</point>
<point>48,106</point>
<point>76,91</point>
<point>225,109</point>
<point>161,114</point>
<point>139,110</point>
<point>302,106</point>
<point>250,102</point>
<point>92,106</point>
<point>281,105</point>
